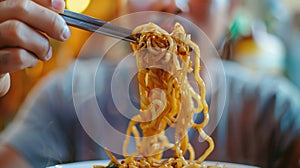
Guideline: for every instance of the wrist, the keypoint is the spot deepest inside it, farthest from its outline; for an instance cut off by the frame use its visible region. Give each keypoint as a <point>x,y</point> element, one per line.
<point>4,83</point>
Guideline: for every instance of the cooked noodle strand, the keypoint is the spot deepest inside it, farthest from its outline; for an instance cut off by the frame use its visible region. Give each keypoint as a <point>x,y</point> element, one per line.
<point>167,99</point>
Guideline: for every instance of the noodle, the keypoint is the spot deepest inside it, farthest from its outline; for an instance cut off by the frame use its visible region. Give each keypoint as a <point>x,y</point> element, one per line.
<point>166,99</point>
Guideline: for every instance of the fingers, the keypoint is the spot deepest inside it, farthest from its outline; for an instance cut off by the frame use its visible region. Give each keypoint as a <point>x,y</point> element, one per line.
<point>22,42</point>
<point>13,59</point>
<point>35,15</point>
<point>17,34</point>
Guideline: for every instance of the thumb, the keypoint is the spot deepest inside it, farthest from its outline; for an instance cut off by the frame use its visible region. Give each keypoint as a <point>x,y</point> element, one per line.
<point>56,5</point>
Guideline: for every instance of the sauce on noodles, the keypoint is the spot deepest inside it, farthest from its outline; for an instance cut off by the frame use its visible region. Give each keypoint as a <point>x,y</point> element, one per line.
<point>167,100</point>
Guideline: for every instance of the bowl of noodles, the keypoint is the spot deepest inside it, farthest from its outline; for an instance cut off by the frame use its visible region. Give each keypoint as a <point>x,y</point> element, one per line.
<point>165,61</point>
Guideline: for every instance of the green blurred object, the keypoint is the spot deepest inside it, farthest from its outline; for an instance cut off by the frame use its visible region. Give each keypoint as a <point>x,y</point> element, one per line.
<point>241,25</point>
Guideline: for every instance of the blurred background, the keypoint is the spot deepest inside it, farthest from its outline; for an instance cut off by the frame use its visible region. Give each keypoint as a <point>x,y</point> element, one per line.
<point>264,35</point>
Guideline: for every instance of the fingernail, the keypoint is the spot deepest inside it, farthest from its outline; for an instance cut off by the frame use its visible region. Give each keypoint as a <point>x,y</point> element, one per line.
<point>66,33</point>
<point>58,5</point>
<point>49,55</point>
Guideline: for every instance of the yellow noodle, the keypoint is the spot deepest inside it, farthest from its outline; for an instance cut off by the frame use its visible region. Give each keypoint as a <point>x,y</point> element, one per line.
<point>166,99</point>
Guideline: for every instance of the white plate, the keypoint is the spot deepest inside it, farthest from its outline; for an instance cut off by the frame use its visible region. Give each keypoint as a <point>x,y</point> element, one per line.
<point>89,164</point>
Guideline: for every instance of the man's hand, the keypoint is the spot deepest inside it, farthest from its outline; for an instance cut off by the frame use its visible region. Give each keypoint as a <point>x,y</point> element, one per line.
<point>24,27</point>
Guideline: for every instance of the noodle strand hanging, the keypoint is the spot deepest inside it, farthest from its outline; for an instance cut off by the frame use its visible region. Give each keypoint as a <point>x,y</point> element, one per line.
<point>167,99</point>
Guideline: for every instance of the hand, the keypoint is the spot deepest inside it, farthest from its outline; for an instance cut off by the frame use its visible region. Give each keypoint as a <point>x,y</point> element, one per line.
<point>24,27</point>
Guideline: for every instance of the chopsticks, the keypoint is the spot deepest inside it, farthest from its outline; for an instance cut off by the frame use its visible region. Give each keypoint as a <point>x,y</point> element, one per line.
<point>98,26</point>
